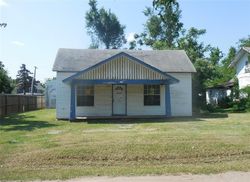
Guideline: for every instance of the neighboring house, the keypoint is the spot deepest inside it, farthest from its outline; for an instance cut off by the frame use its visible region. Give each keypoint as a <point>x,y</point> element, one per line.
<point>215,94</point>
<point>242,64</point>
<point>93,83</point>
<point>50,93</point>
<point>39,89</point>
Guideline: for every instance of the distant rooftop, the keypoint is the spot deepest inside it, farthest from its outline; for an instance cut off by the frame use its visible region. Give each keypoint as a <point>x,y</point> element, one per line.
<point>239,54</point>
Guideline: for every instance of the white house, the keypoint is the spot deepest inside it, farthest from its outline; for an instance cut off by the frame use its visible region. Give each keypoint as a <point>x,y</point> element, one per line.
<point>50,93</point>
<point>124,83</point>
<point>242,64</point>
<point>215,94</point>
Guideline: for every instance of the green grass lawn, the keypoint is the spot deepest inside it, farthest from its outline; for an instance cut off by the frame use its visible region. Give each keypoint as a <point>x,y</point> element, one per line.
<point>34,145</point>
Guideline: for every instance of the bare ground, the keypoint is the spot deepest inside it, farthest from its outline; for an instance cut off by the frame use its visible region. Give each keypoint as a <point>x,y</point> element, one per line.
<point>227,177</point>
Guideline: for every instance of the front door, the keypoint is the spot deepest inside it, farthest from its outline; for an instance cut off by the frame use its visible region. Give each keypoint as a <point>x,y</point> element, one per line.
<point>119,99</point>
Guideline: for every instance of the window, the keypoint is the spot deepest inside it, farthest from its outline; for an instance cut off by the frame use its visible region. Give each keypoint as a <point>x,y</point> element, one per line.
<point>247,65</point>
<point>151,95</point>
<point>85,95</point>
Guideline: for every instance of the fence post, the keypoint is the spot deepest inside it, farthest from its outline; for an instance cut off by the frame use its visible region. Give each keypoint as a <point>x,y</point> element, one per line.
<point>27,103</point>
<point>6,105</point>
<point>41,99</point>
<point>18,103</point>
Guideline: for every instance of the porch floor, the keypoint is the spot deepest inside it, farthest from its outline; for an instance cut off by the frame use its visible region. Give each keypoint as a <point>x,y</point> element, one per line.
<point>121,117</point>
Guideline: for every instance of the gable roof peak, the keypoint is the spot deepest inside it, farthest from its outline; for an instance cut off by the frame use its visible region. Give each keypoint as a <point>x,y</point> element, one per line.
<point>74,60</point>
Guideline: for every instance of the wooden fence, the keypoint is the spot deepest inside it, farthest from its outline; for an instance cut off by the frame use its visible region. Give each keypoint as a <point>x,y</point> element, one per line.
<point>20,103</point>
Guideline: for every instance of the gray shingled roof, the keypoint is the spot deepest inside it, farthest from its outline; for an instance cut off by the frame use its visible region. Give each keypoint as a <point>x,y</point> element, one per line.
<point>164,60</point>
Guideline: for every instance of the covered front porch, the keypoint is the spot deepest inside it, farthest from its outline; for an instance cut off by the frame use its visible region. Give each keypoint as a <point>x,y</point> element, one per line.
<point>119,99</point>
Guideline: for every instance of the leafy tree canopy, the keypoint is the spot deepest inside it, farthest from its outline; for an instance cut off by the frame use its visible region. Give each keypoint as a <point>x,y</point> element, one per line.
<point>190,43</point>
<point>244,42</point>
<point>163,26</point>
<point>104,27</point>
<point>6,85</point>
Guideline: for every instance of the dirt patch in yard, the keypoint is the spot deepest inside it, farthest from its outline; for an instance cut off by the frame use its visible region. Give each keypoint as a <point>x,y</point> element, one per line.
<point>227,177</point>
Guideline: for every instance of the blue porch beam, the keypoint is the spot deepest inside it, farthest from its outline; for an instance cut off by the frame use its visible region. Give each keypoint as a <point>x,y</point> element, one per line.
<point>167,100</point>
<point>72,102</point>
<point>91,82</point>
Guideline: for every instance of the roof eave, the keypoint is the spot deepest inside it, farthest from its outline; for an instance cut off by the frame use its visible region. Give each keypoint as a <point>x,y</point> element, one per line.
<point>240,53</point>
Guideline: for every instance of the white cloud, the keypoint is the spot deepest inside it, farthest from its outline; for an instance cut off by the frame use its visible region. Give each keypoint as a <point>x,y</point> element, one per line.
<point>17,43</point>
<point>3,3</point>
<point>130,36</point>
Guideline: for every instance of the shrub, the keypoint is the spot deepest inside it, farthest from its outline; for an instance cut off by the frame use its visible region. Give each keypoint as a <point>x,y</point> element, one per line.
<point>211,108</point>
<point>240,105</point>
<point>225,103</point>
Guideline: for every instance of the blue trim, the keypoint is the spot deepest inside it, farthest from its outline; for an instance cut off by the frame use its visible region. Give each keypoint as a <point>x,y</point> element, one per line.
<point>151,82</point>
<point>112,100</point>
<point>72,102</point>
<point>172,79</point>
<point>126,99</point>
<point>167,100</point>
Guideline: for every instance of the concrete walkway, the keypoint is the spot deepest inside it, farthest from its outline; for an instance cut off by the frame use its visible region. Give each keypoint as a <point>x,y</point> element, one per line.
<point>223,177</point>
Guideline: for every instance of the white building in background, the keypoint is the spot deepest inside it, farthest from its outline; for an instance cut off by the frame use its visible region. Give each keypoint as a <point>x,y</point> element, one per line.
<point>50,93</point>
<point>215,94</point>
<point>242,64</point>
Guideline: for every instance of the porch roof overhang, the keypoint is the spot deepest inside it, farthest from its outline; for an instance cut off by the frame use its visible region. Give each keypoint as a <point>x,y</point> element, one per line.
<point>102,81</point>
<point>162,78</point>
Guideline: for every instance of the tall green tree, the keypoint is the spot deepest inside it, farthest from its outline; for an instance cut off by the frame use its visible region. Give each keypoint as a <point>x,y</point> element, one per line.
<point>24,80</point>
<point>215,56</point>
<point>204,74</point>
<point>163,26</point>
<point>227,73</point>
<point>163,30</point>
<point>6,85</point>
<point>191,44</point>
<point>244,42</point>
<point>104,27</point>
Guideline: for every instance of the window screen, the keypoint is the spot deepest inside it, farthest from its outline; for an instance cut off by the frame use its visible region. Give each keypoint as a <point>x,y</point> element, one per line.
<point>85,95</point>
<point>152,95</point>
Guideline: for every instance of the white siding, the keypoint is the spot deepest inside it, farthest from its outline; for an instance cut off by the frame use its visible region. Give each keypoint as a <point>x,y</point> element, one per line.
<point>181,95</point>
<point>122,68</point>
<point>135,102</point>
<point>102,103</point>
<point>62,96</point>
<point>213,96</point>
<point>181,99</point>
<point>244,78</point>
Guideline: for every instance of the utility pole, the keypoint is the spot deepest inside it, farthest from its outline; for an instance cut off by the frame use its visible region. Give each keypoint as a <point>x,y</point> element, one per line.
<point>33,79</point>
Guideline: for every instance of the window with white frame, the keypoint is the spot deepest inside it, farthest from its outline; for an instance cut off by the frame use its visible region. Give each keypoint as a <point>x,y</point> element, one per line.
<point>85,95</point>
<point>152,95</point>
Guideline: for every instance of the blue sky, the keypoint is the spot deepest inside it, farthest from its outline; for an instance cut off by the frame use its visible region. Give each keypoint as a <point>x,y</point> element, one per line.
<point>37,28</point>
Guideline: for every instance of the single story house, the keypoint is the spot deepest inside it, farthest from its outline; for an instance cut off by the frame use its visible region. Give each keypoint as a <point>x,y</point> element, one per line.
<point>242,64</point>
<point>122,83</point>
<point>216,93</point>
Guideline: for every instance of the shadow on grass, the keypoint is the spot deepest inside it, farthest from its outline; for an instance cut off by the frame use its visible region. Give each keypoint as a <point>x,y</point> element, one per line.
<point>197,117</point>
<point>23,123</point>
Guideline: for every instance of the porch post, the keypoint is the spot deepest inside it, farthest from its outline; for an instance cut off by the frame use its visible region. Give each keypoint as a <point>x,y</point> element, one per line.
<point>72,102</point>
<point>167,100</point>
